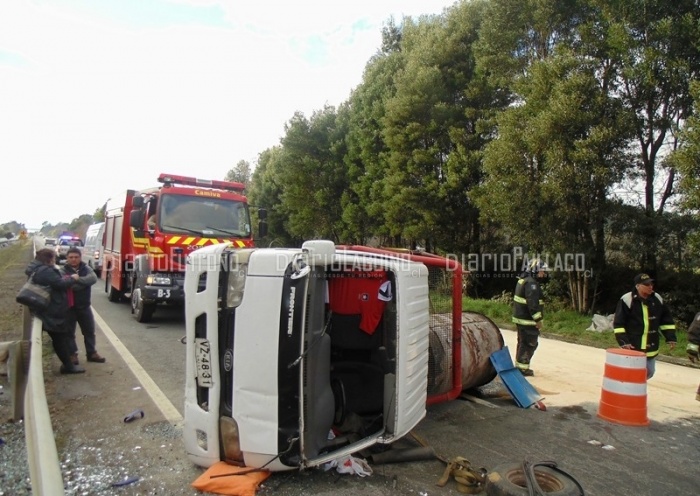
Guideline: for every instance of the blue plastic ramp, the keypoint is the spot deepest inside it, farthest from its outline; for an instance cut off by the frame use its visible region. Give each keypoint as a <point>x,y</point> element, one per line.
<point>522,391</point>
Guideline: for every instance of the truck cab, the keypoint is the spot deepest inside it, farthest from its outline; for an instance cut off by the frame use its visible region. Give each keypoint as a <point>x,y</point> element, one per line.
<point>298,356</point>
<point>149,232</point>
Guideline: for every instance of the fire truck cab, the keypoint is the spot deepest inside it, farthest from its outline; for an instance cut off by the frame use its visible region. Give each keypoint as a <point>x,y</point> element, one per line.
<point>149,233</point>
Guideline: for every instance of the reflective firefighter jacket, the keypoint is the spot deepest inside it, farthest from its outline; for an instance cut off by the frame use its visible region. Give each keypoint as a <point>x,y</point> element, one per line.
<point>527,302</point>
<point>694,332</point>
<point>638,322</point>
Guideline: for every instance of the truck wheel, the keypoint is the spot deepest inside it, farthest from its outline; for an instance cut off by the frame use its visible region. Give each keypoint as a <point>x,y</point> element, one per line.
<point>112,294</point>
<point>509,480</point>
<point>143,312</point>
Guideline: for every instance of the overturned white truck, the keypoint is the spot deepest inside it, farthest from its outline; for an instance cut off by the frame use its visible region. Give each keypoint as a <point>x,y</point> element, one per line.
<point>297,356</point>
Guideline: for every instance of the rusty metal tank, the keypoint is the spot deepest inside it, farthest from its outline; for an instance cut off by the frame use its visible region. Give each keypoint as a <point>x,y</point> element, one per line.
<point>480,338</point>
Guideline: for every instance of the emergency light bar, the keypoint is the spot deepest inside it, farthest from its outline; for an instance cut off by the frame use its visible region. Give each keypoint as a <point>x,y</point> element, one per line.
<point>170,179</point>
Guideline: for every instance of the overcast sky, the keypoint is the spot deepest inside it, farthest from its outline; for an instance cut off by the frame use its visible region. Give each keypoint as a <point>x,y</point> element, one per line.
<point>98,96</point>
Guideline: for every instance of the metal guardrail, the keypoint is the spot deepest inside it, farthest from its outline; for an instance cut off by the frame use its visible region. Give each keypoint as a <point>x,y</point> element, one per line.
<point>42,455</point>
<point>29,401</point>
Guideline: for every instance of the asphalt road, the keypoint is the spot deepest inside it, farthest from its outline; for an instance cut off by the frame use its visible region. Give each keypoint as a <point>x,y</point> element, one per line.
<point>155,346</point>
<point>606,458</point>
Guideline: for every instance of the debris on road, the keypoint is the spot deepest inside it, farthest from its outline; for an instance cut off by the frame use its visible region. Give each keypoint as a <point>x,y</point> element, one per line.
<point>469,480</point>
<point>136,414</point>
<point>349,465</point>
<point>125,482</point>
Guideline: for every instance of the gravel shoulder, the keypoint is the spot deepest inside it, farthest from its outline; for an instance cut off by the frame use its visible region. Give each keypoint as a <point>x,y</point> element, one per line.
<point>96,448</point>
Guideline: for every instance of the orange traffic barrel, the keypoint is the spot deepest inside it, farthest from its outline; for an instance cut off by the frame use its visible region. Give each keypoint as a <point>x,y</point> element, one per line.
<point>623,399</point>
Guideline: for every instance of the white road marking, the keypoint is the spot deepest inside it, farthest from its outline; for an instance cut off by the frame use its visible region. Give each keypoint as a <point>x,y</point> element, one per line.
<point>168,410</point>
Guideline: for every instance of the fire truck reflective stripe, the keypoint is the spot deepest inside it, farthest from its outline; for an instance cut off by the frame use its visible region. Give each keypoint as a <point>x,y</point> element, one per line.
<point>194,241</point>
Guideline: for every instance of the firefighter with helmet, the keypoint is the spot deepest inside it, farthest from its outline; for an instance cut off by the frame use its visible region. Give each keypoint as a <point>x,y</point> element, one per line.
<point>527,313</point>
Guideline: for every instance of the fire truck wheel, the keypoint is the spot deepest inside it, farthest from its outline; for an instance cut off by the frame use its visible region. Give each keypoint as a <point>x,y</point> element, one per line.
<point>509,480</point>
<point>142,311</point>
<point>112,294</point>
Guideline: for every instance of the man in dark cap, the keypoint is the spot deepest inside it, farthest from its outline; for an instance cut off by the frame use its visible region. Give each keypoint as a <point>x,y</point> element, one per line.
<point>640,317</point>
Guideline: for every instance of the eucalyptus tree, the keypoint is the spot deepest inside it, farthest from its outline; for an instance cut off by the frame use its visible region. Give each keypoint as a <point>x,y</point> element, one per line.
<point>366,158</point>
<point>687,158</point>
<point>241,173</point>
<point>265,190</point>
<point>551,168</point>
<point>313,174</point>
<point>431,132</point>
<point>517,33</point>
<point>654,49</point>
<point>559,145</point>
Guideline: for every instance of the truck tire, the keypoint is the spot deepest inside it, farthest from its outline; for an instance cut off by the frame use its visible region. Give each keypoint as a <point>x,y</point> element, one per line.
<point>113,295</point>
<point>143,312</point>
<point>509,480</point>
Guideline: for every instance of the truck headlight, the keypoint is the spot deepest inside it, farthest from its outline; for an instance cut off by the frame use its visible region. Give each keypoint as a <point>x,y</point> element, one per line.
<point>230,440</point>
<point>158,280</point>
<point>236,284</point>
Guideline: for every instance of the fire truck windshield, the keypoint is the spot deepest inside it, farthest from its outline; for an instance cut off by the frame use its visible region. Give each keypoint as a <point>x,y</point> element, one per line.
<point>207,217</point>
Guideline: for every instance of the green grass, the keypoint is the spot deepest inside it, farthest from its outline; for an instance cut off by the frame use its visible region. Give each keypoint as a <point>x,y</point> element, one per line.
<point>566,325</point>
<point>13,260</point>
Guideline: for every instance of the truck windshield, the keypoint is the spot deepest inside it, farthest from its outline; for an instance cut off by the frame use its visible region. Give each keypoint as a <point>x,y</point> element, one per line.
<point>209,217</point>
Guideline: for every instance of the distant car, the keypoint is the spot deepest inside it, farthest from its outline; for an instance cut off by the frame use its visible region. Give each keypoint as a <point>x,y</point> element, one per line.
<point>50,242</point>
<point>64,244</point>
<point>93,249</point>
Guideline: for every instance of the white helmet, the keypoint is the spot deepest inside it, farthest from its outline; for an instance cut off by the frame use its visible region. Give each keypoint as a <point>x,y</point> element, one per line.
<point>536,265</point>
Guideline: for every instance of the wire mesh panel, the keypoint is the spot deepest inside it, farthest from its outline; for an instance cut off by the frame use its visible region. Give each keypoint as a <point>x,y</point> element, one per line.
<point>445,338</point>
<point>441,351</point>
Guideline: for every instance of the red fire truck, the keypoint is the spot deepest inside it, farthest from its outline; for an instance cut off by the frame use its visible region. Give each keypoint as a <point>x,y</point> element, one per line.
<point>149,233</point>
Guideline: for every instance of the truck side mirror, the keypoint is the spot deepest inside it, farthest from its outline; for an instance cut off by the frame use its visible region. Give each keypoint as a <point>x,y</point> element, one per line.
<point>137,202</point>
<point>136,219</point>
<point>262,213</point>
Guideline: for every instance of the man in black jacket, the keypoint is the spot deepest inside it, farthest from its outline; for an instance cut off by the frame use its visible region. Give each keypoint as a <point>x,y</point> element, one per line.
<point>528,314</point>
<point>80,311</point>
<point>640,317</point>
<point>54,321</point>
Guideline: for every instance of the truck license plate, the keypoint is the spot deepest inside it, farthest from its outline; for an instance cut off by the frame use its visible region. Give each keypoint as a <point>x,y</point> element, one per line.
<point>201,353</point>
